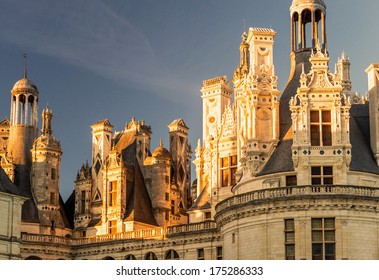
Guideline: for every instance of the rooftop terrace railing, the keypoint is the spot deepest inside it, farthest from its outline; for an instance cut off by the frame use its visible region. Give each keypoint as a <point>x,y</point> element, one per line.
<point>156,233</point>
<point>295,191</point>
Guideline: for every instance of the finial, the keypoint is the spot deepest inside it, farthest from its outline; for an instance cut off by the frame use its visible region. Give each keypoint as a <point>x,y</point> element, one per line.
<point>161,143</point>
<point>244,25</point>
<point>302,69</point>
<point>133,119</point>
<point>25,65</point>
<point>199,142</point>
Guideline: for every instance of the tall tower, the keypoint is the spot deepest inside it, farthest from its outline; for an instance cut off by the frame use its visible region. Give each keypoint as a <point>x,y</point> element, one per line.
<point>216,97</point>
<point>46,157</point>
<point>344,71</point>
<point>23,128</point>
<point>101,145</point>
<point>256,97</point>
<point>181,160</point>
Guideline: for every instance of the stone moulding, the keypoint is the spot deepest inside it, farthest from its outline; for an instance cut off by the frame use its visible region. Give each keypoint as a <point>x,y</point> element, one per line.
<point>296,198</point>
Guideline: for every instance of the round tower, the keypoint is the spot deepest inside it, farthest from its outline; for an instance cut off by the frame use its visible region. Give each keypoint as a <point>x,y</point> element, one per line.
<point>46,156</point>
<point>160,190</point>
<point>23,128</point>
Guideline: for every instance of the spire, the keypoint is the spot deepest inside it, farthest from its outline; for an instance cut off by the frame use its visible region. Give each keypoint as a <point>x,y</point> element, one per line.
<point>161,143</point>
<point>47,115</point>
<point>25,65</point>
<point>343,65</point>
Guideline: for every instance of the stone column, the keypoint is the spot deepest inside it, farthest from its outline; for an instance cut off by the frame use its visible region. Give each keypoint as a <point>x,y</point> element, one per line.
<point>26,106</point>
<point>17,108</point>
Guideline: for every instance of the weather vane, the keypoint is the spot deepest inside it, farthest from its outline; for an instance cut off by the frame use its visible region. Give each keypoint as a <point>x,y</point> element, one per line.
<point>25,64</point>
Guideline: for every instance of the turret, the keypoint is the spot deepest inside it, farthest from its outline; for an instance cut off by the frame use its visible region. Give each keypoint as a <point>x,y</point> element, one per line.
<point>23,128</point>
<point>344,71</point>
<point>46,155</point>
<point>158,183</point>
<point>83,198</point>
<point>181,160</point>
<point>101,145</point>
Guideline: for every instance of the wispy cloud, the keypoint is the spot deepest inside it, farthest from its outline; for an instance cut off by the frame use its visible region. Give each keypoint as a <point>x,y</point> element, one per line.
<point>89,34</point>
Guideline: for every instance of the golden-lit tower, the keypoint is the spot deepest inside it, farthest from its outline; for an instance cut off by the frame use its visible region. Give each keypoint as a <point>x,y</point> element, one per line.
<point>46,157</point>
<point>23,128</point>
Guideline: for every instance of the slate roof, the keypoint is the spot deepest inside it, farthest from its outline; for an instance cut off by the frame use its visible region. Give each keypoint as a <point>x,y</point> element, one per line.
<point>138,206</point>
<point>281,159</point>
<point>69,207</point>
<point>202,201</point>
<point>362,157</point>
<point>7,186</point>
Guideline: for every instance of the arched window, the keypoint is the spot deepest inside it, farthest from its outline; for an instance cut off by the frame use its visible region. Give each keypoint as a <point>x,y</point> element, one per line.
<point>107,258</point>
<point>130,257</point>
<point>33,258</point>
<point>171,255</point>
<point>150,256</point>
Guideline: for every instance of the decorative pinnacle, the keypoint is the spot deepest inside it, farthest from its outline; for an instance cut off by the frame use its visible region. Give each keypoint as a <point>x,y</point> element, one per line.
<point>161,143</point>
<point>25,65</point>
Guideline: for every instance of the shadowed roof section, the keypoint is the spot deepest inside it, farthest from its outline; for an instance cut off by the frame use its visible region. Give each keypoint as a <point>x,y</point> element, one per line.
<point>202,201</point>
<point>362,156</point>
<point>7,186</point>
<point>139,207</point>
<point>281,159</point>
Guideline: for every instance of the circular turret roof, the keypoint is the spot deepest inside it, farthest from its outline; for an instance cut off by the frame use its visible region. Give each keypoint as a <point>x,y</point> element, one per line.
<point>25,85</point>
<point>161,152</point>
<point>298,2</point>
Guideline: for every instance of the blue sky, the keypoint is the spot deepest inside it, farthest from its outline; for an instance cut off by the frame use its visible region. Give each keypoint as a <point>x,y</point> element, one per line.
<point>94,59</point>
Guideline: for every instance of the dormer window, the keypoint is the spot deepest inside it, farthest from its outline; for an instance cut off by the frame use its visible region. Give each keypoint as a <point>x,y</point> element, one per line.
<point>321,128</point>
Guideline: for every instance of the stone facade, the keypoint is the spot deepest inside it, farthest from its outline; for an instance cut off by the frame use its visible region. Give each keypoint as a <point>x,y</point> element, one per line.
<point>280,174</point>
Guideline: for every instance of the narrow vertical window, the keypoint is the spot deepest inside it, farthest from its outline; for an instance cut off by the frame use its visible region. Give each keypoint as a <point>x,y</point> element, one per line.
<point>228,170</point>
<point>112,229</point>
<point>53,174</point>
<point>200,254</point>
<point>323,239</point>
<point>219,253</point>
<point>52,198</point>
<point>82,202</point>
<point>112,193</point>
<point>172,207</point>
<point>207,216</point>
<point>289,236</point>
